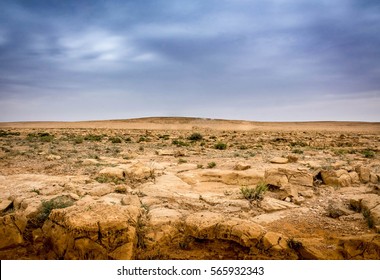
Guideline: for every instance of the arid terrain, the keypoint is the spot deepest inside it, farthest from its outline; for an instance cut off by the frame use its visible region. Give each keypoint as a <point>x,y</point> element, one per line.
<point>186,188</point>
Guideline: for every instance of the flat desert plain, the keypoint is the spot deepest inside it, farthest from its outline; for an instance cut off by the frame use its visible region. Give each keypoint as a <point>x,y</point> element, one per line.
<point>188,188</point>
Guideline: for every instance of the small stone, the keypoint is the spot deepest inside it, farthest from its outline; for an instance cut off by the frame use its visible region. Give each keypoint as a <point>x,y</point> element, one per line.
<point>74,196</point>
<point>90,161</point>
<point>120,189</point>
<point>53,157</point>
<point>279,160</point>
<point>307,193</point>
<point>165,153</point>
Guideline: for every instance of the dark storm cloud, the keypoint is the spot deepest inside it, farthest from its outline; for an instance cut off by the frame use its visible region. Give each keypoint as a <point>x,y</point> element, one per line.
<point>229,59</point>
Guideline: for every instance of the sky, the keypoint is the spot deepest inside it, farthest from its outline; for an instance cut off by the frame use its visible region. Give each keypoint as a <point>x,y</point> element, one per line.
<point>263,60</point>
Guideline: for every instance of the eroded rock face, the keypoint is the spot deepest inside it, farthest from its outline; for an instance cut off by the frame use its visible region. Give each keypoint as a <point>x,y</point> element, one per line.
<point>250,235</point>
<point>281,177</point>
<point>369,205</point>
<point>339,178</point>
<point>113,172</point>
<point>364,173</point>
<point>12,227</point>
<point>360,248</point>
<point>271,204</point>
<point>97,231</point>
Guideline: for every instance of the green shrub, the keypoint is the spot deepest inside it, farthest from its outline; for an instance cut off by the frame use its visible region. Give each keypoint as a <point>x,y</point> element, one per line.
<point>180,161</point>
<point>164,137</point>
<point>211,164</point>
<point>4,133</point>
<point>243,147</point>
<point>298,143</point>
<point>104,178</point>
<point>115,140</point>
<point>220,146</point>
<point>141,139</point>
<point>78,140</point>
<point>180,143</point>
<point>340,152</point>
<point>55,203</point>
<point>93,137</point>
<point>41,136</point>
<point>368,153</point>
<point>195,137</point>
<point>297,151</point>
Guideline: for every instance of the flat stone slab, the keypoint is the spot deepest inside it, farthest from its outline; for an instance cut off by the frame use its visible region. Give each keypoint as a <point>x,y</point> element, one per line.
<point>279,160</point>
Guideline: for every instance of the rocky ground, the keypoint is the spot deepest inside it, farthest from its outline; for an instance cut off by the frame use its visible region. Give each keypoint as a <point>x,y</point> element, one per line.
<point>189,189</point>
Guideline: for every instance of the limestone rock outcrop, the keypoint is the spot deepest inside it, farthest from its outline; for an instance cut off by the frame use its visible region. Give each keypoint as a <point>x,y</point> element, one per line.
<point>96,231</point>
<point>281,177</point>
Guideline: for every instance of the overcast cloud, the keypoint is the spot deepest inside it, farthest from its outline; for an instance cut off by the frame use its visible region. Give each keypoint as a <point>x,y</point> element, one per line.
<point>264,60</point>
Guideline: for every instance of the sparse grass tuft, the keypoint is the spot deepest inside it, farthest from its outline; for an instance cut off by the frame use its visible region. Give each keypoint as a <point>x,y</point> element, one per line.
<point>220,146</point>
<point>340,152</point>
<point>103,178</point>
<point>55,203</point>
<point>164,137</point>
<point>368,153</point>
<point>254,193</point>
<point>93,137</point>
<point>297,151</point>
<point>41,136</point>
<point>181,160</point>
<point>4,133</point>
<point>36,191</point>
<point>211,164</point>
<point>78,140</point>
<point>180,143</point>
<point>115,140</point>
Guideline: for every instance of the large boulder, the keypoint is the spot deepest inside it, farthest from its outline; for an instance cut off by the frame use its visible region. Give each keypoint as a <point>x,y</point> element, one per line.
<point>12,227</point>
<point>113,172</point>
<point>369,205</point>
<point>95,231</point>
<point>364,173</point>
<point>281,177</point>
<point>207,225</point>
<point>364,247</point>
<point>339,178</point>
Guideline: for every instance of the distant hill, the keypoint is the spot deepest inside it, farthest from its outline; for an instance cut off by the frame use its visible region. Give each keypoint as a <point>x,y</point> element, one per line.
<point>190,123</point>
